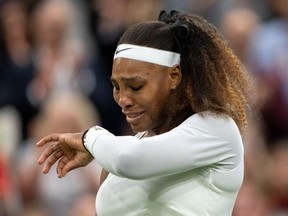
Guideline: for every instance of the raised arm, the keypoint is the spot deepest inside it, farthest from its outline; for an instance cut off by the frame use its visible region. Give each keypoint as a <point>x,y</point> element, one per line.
<point>195,143</point>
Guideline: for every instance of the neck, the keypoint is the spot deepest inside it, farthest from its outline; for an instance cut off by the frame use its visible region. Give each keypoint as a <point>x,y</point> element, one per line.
<point>149,133</point>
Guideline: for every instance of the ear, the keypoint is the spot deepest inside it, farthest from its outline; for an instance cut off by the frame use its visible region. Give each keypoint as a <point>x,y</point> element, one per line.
<point>175,76</point>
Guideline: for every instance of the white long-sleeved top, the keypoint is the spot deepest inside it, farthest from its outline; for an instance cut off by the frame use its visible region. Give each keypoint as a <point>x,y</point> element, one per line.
<point>196,169</point>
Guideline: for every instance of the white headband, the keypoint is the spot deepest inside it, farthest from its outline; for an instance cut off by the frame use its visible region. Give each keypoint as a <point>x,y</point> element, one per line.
<point>147,54</point>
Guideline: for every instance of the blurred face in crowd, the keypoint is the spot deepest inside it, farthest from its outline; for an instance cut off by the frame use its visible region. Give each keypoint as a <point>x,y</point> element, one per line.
<point>141,89</point>
<point>13,21</point>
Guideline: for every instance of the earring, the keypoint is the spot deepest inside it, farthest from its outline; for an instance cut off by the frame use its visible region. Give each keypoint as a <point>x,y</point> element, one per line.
<point>173,87</point>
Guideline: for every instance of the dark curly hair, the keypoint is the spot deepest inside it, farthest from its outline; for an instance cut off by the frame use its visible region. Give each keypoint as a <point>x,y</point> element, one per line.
<point>213,78</point>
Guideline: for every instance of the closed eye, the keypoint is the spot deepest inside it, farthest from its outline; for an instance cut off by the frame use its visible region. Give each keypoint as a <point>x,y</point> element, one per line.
<point>136,88</point>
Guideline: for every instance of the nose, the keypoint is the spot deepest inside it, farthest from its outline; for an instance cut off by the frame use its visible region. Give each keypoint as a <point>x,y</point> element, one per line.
<point>123,99</point>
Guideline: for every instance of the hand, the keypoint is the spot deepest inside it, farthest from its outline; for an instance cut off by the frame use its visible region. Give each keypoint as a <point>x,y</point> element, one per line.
<point>67,149</point>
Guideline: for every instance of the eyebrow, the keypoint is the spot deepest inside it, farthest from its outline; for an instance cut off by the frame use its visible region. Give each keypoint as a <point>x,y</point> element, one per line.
<point>129,79</point>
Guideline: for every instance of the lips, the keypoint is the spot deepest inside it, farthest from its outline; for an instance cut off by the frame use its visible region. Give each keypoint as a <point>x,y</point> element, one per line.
<point>133,115</point>
<point>133,118</point>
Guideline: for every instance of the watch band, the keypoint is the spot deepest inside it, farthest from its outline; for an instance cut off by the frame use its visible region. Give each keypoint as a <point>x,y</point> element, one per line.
<point>84,136</point>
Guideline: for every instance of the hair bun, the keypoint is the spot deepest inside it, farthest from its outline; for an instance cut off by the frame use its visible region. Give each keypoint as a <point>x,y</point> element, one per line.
<point>180,30</point>
<point>168,18</point>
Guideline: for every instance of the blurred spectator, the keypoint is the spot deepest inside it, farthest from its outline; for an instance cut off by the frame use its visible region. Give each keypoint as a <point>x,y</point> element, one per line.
<point>65,112</point>
<point>237,24</point>
<point>252,201</point>
<point>267,58</point>
<point>213,10</point>
<point>83,205</point>
<point>147,10</point>
<point>60,58</point>
<point>35,209</point>
<point>16,66</point>
<point>10,136</point>
<point>5,185</point>
<point>278,178</point>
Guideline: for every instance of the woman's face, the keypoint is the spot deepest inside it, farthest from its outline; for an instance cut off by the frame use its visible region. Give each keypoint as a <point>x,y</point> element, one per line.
<point>141,89</point>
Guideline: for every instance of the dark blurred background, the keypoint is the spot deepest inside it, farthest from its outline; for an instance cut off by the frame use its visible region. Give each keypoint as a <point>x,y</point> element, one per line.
<point>55,66</point>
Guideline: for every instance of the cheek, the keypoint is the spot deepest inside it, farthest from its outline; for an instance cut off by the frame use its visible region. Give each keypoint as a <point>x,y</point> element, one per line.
<point>157,105</point>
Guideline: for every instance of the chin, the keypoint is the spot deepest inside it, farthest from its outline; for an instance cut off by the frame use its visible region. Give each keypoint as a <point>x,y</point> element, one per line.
<point>138,128</point>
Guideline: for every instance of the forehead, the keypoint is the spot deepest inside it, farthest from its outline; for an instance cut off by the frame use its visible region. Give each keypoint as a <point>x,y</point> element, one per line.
<point>123,67</point>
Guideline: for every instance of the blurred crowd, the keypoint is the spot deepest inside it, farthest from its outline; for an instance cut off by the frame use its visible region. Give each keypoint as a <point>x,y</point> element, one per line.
<point>55,64</point>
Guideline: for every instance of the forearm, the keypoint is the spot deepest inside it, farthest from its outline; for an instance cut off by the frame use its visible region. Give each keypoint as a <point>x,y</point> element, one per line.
<point>177,151</point>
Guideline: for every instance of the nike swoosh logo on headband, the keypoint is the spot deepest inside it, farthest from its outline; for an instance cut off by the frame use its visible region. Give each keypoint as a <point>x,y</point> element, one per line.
<point>118,51</point>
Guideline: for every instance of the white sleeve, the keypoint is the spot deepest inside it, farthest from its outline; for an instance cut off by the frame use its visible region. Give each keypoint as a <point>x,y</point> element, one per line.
<point>198,141</point>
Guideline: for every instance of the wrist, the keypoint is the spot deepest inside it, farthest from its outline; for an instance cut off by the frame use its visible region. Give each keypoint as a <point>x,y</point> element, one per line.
<point>84,140</point>
<point>90,136</point>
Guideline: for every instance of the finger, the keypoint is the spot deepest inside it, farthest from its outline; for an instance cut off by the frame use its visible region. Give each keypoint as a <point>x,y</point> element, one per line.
<point>65,165</point>
<point>47,152</point>
<point>61,164</point>
<point>47,139</point>
<point>52,160</point>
